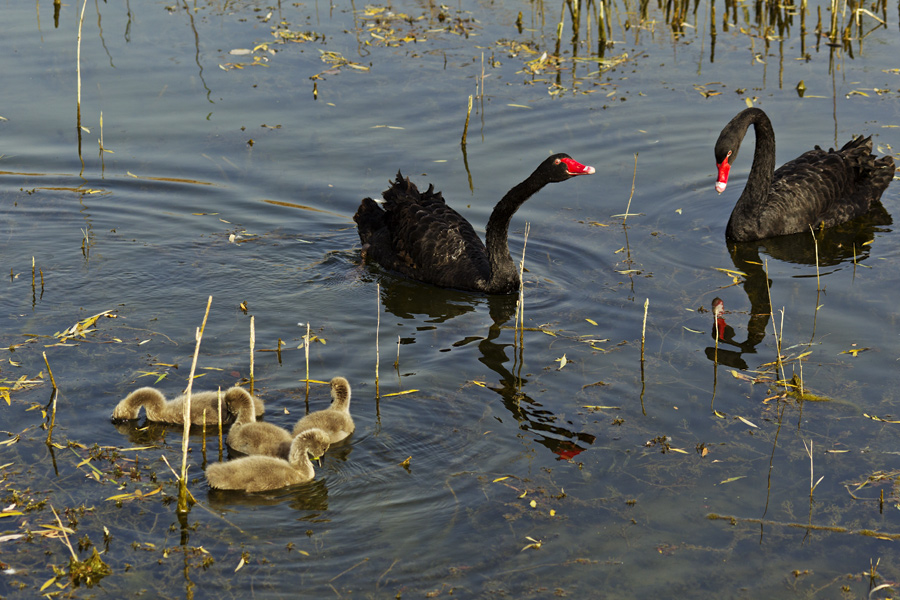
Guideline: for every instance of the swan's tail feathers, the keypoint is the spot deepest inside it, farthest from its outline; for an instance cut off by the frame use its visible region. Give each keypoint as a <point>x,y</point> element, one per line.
<point>883,174</point>
<point>857,154</point>
<point>871,171</point>
<point>431,196</point>
<point>863,144</point>
<point>404,192</point>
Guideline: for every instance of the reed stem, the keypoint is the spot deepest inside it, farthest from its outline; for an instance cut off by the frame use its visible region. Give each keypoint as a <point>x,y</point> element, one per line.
<point>466,128</point>
<point>252,349</point>
<point>644,329</point>
<point>183,506</point>
<point>306,358</point>
<point>219,409</point>
<point>78,77</point>
<point>53,395</point>
<point>520,304</point>
<point>631,195</point>
<point>377,331</point>
<point>816,245</point>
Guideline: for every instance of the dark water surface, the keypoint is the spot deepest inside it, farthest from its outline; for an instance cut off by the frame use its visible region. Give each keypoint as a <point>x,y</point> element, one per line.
<point>528,476</point>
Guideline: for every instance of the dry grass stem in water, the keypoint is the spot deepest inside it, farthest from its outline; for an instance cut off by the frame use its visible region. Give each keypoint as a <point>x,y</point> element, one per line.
<point>377,330</point>
<point>252,346</point>
<point>520,304</point>
<point>306,357</point>
<point>644,329</point>
<point>631,195</point>
<point>466,128</point>
<point>774,326</point>
<point>186,414</point>
<point>53,396</point>
<point>812,486</point>
<point>219,409</point>
<point>816,246</point>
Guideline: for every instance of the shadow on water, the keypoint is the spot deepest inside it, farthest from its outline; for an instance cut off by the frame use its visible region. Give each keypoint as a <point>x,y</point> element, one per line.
<point>850,242</point>
<point>311,496</point>
<point>404,298</point>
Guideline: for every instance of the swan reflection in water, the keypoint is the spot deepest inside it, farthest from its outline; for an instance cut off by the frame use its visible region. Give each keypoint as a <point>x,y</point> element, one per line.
<point>404,299</point>
<point>838,247</point>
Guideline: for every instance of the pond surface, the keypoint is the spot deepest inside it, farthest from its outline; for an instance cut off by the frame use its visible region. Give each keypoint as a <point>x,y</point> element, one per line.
<point>570,459</point>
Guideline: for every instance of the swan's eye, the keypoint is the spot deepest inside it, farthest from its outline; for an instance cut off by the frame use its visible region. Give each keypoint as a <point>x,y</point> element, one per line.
<point>729,154</point>
<point>557,161</point>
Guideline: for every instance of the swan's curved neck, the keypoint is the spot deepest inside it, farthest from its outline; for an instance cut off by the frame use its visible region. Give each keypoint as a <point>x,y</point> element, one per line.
<point>341,401</point>
<point>503,270</point>
<point>152,401</point>
<point>243,408</point>
<point>759,182</point>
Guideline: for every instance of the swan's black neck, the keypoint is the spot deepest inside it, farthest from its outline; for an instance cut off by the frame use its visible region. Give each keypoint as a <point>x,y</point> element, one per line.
<point>759,181</point>
<point>504,276</point>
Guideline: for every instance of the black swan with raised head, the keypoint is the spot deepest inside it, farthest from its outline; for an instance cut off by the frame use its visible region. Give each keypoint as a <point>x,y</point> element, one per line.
<point>418,235</point>
<point>819,188</point>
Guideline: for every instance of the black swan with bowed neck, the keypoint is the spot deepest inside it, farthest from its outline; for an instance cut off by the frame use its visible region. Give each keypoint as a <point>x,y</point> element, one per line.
<point>819,188</point>
<point>416,234</point>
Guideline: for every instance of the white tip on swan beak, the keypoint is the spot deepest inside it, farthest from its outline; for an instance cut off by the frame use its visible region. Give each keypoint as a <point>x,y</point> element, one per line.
<point>720,186</point>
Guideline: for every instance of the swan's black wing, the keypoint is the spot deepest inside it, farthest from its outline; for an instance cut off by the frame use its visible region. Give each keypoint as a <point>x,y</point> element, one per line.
<point>418,235</point>
<point>824,188</point>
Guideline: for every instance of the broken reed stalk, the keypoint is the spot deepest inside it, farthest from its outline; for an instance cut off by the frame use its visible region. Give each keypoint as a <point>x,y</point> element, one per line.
<point>78,73</point>
<point>644,329</point>
<point>306,357</point>
<point>203,440</point>
<point>816,245</point>
<point>252,346</point>
<point>219,409</point>
<point>812,486</point>
<point>834,10</point>
<point>377,330</point>
<point>630,196</point>
<point>186,414</point>
<point>466,128</point>
<point>775,327</point>
<point>520,304</point>
<point>397,362</point>
<point>53,396</point>
<point>715,358</point>
<point>65,537</point>
<point>716,335</point>
<point>481,89</point>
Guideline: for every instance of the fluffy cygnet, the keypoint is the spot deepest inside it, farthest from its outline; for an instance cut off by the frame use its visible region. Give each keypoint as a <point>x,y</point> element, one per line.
<point>257,437</point>
<point>262,473</point>
<point>335,420</point>
<point>172,411</point>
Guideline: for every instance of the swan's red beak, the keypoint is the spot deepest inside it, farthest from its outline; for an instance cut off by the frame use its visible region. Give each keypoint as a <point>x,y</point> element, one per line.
<point>722,180</point>
<point>576,168</point>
